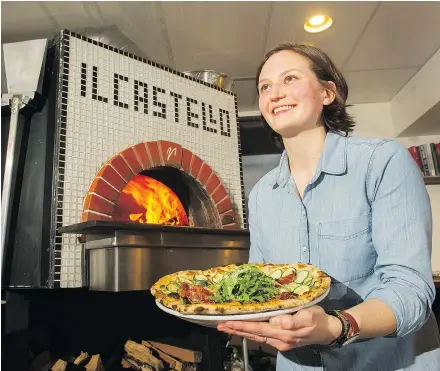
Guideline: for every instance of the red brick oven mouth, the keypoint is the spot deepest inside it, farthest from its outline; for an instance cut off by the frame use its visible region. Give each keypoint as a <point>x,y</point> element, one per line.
<point>201,191</point>
<point>124,255</point>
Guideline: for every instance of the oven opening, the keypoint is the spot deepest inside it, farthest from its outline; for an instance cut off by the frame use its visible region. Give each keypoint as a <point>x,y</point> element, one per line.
<point>155,196</point>
<point>165,195</point>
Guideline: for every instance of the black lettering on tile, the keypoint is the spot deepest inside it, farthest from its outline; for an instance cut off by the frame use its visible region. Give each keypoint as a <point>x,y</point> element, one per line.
<point>204,116</point>
<point>138,98</point>
<point>83,79</point>
<point>176,105</point>
<point>189,114</point>
<point>163,106</point>
<point>226,133</point>
<point>211,120</point>
<point>116,79</point>
<point>95,87</point>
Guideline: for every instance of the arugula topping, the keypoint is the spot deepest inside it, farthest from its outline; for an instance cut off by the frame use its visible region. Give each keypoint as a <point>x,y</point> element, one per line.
<point>247,284</point>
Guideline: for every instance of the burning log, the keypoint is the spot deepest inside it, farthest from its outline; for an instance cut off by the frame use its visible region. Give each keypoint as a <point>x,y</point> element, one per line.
<point>142,356</point>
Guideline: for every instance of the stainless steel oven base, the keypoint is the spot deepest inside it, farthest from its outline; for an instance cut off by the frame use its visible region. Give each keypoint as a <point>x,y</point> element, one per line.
<point>133,260</point>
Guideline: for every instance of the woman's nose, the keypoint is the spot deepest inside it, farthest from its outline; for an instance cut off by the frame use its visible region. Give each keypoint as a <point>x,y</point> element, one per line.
<point>277,93</point>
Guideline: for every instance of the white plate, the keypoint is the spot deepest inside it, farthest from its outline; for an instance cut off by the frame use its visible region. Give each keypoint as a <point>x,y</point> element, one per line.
<point>214,320</point>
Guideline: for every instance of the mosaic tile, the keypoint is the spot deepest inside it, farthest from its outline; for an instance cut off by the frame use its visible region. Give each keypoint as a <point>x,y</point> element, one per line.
<point>114,101</point>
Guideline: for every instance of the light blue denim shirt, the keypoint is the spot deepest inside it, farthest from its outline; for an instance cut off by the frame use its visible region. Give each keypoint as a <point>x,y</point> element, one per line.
<point>365,219</point>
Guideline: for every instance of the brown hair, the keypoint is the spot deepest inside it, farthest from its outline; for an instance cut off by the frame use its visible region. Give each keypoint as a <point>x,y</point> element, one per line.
<point>335,116</point>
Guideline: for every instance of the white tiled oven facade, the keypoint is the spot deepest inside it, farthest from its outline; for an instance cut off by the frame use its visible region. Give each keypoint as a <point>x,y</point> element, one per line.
<point>109,100</point>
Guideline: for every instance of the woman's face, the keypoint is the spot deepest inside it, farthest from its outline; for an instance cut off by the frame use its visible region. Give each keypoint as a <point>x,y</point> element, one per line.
<point>290,96</point>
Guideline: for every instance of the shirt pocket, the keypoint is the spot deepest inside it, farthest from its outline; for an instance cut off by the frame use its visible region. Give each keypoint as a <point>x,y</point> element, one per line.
<point>345,248</point>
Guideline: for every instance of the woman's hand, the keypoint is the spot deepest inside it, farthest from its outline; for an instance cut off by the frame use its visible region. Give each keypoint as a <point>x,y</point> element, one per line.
<point>306,327</point>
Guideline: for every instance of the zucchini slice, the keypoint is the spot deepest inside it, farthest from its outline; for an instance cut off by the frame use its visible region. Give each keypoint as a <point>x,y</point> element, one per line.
<point>276,274</point>
<point>173,287</point>
<point>292,286</point>
<point>301,289</point>
<point>200,277</point>
<point>217,278</point>
<point>302,275</point>
<point>308,280</point>
<point>184,279</point>
<point>288,272</point>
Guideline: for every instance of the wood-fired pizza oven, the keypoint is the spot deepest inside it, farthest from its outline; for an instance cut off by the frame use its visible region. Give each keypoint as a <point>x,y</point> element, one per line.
<point>130,170</point>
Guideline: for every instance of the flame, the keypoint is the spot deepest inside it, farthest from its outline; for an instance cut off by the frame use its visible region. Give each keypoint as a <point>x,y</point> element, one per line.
<point>146,200</point>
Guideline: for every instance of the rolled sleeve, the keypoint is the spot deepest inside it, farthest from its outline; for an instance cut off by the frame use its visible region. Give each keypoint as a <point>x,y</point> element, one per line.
<point>402,236</point>
<point>255,253</point>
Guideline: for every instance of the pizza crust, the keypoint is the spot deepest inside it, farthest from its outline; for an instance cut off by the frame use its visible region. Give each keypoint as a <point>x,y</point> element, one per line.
<point>320,286</point>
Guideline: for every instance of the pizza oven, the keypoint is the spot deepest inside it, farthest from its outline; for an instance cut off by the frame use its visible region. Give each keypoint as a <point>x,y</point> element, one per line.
<point>128,171</point>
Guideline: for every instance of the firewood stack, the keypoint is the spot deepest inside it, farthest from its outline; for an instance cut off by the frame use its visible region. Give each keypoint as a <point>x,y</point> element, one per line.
<point>144,356</point>
<point>82,362</point>
<point>154,356</point>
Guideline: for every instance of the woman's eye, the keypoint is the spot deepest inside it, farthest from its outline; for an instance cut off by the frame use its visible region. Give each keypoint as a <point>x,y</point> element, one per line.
<point>264,88</point>
<point>289,78</point>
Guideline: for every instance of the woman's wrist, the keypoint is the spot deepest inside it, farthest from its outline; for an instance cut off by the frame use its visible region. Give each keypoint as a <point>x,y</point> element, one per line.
<point>334,328</point>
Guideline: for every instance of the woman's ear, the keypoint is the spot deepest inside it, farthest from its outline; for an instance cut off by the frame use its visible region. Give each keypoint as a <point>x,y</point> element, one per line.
<point>330,93</point>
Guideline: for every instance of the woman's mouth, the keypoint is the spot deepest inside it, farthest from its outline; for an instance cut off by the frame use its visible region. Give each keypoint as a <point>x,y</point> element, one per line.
<point>282,109</point>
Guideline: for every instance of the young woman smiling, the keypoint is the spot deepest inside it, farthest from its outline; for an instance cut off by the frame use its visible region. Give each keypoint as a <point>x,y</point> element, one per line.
<point>357,209</point>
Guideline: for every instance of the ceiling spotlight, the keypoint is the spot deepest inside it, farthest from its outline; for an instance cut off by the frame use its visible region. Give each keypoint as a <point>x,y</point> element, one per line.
<point>318,23</point>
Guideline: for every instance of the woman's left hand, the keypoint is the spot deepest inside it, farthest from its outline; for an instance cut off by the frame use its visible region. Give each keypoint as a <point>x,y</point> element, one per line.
<point>306,327</point>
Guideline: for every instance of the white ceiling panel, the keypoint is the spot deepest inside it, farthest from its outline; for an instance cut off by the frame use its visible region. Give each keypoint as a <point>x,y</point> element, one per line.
<point>401,34</point>
<point>224,36</point>
<point>246,95</point>
<point>24,20</point>
<point>69,14</point>
<point>376,86</point>
<point>142,22</point>
<point>378,45</point>
<point>349,19</point>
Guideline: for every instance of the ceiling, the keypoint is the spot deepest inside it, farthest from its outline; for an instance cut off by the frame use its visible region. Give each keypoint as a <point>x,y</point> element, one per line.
<point>378,45</point>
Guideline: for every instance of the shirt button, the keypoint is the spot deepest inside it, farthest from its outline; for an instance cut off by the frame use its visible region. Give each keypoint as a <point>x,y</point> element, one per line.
<point>304,248</point>
<point>315,351</point>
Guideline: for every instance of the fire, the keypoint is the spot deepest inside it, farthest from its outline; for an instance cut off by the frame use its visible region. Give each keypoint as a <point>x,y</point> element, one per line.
<point>146,200</point>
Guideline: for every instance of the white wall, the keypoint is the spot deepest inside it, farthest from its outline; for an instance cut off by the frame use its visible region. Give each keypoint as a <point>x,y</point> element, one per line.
<point>418,96</point>
<point>373,120</point>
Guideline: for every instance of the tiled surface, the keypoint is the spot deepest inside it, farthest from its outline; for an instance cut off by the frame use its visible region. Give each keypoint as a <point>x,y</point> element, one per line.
<point>104,193</point>
<point>150,104</point>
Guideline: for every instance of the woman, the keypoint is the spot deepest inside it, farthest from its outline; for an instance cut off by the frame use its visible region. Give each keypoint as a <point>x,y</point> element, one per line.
<point>355,208</point>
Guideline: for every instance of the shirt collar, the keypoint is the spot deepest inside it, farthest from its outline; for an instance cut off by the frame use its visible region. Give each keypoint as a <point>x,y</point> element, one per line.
<point>333,159</point>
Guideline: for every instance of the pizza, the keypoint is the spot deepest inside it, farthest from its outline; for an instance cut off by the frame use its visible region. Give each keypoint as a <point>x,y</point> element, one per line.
<point>239,289</point>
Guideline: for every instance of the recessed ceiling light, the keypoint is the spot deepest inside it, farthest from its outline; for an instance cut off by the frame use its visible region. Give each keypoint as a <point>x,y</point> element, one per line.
<point>318,23</point>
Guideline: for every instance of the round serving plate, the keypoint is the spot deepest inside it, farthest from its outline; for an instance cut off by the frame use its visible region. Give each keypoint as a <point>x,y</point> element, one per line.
<point>213,320</point>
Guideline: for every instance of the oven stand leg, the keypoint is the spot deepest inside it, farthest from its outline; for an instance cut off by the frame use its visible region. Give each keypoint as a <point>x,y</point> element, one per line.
<point>245,354</point>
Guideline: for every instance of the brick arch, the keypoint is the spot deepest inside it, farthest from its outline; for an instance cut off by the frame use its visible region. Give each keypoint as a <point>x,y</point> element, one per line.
<point>111,179</point>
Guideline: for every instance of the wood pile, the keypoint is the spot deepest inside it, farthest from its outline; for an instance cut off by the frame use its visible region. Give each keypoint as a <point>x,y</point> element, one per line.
<point>144,356</point>
<point>83,362</point>
<point>154,356</point>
